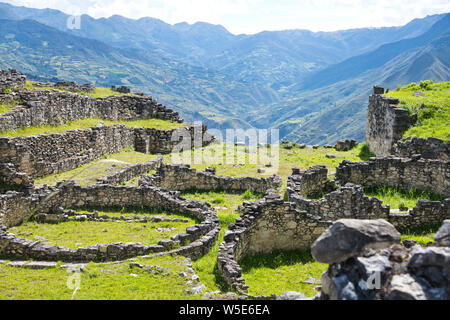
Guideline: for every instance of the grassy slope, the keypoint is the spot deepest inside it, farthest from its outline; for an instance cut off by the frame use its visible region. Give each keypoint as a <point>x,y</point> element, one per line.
<point>432,109</point>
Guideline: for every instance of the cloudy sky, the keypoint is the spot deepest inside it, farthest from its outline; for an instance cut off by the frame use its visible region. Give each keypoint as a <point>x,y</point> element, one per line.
<point>252,16</point>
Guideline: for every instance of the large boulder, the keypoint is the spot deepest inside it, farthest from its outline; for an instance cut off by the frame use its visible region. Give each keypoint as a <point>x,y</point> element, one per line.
<point>443,235</point>
<point>348,237</point>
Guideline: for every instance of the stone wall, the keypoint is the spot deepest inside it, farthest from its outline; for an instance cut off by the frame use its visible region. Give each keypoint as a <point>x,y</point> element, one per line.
<point>55,108</point>
<point>194,242</point>
<point>68,86</point>
<point>182,177</point>
<point>430,148</point>
<point>350,202</point>
<point>166,141</point>
<point>47,154</point>
<point>131,172</point>
<point>407,174</point>
<point>425,213</point>
<point>265,225</point>
<point>385,123</point>
<point>309,182</point>
<point>11,79</point>
<point>10,179</point>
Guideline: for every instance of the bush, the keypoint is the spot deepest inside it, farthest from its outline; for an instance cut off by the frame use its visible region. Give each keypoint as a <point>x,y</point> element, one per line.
<point>426,84</point>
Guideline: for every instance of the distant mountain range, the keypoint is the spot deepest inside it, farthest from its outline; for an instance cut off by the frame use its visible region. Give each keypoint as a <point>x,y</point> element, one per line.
<point>313,86</point>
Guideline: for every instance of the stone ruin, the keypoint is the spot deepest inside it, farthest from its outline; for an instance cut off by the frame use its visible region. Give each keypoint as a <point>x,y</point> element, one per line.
<point>11,80</point>
<point>121,89</point>
<point>67,86</point>
<point>311,218</point>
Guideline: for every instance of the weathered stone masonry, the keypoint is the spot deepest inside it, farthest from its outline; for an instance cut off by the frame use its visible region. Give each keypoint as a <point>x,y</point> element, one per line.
<point>182,177</point>
<point>349,201</point>
<point>11,79</point>
<point>131,172</point>
<point>196,241</point>
<point>265,225</point>
<point>407,174</point>
<point>46,154</point>
<point>385,123</point>
<point>430,148</point>
<point>55,108</point>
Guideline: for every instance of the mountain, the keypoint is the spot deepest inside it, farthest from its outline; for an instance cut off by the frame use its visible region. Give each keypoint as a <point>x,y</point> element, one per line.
<point>399,63</point>
<point>313,86</point>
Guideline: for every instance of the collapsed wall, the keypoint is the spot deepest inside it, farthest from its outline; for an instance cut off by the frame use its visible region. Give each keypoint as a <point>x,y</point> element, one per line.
<point>183,177</point>
<point>385,123</point>
<point>367,262</point>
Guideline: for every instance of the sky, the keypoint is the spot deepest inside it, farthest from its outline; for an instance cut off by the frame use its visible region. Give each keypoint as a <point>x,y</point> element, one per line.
<point>253,16</point>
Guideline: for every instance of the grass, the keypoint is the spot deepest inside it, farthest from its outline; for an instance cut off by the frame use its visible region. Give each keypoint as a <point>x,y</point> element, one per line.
<point>79,234</point>
<point>422,235</point>
<point>281,271</point>
<point>98,282</point>
<point>397,198</point>
<point>6,107</point>
<point>89,123</point>
<point>98,92</point>
<point>432,109</point>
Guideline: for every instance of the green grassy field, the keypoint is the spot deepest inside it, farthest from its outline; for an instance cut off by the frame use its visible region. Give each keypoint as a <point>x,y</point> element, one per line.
<point>266,274</point>
<point>432,106</point>
<point>80,234</point>
<point>397,198</point>
<point>98,282</point>
<point>281,271</point>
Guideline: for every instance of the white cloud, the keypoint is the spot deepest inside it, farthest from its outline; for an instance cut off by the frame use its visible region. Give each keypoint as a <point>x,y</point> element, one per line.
<point>251,16</point>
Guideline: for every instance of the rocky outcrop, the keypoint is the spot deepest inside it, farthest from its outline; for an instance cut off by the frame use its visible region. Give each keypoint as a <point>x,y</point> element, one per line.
<point>386,272</point>
<point>345,145</point>
<point>349,237</point>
